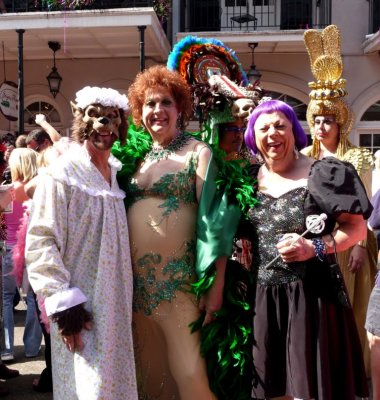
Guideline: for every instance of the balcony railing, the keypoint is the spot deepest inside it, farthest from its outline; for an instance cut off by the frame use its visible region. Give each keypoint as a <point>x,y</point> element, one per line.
<point>251,15</point>
<point>17,6</point>
<point>374,16</point>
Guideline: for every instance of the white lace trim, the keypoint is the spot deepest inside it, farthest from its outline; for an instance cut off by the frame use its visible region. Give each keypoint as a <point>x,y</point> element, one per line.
<point>71,181</point>
<point>71,168</point>
<point>107,97</point>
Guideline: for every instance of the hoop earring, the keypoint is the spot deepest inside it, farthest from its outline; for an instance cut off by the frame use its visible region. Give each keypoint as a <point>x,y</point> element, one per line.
<point>179,122</point>
<point>296,153</point>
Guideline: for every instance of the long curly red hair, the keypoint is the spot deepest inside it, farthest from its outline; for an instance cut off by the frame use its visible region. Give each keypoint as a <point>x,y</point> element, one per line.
<point>160,76</point>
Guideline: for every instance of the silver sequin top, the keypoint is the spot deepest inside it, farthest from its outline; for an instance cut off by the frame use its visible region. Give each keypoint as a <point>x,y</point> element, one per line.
<point>272,218</point>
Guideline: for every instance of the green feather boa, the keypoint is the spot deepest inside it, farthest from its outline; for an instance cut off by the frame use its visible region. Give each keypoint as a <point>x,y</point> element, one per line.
<point>138,144</point>
<point>227,342</point>
<point>232,176</point>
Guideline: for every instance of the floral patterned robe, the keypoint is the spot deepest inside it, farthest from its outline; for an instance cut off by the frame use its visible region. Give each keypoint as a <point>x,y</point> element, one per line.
<point>77,250</point>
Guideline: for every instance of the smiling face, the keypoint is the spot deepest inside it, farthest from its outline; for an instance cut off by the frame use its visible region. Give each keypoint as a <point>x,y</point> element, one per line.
<point>103,119</point>
<point>160,113</point>
<point>103,124</point>
<point>274,136</point>
<point>326,130</point>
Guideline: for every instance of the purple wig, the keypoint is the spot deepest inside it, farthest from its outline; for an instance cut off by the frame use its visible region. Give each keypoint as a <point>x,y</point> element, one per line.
<point>269,107</point>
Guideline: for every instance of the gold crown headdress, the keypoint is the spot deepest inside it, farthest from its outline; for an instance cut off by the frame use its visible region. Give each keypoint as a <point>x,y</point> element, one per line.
<point>329,88</point>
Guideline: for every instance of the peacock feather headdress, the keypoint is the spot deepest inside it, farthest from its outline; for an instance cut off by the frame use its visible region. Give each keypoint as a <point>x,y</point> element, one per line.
<point>219,84</point>
<point>196,57</point>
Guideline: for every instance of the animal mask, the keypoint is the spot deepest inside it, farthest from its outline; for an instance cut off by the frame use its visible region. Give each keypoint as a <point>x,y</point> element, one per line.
<point>98,109</point>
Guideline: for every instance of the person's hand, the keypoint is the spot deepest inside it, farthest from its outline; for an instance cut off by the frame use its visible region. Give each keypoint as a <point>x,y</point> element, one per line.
<point>71,322</point>
<point>356,259</point>
<point>211,302</point>
<point>301,250</point>
<point>6,196</point>
<point>40,119</point>
<point>75,342</point>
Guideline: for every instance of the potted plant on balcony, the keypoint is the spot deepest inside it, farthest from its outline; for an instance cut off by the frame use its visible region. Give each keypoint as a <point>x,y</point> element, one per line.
<point>162,9</point>
<point>65,4</point>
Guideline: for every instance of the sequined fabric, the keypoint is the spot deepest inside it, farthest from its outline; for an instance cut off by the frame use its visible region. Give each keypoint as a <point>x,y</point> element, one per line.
<point>168,267</point>
<point>173,188</point>
<point>162,223</point>
<point>150,290</point>
<point>272,218</point>
<point>298,316</point>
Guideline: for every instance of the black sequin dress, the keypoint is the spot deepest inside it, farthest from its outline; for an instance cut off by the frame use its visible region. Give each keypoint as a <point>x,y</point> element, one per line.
<point>307,344</point>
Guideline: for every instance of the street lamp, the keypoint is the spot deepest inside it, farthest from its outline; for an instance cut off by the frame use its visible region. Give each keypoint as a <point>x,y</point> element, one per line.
<point>54,79</point>
<point>253,74</point>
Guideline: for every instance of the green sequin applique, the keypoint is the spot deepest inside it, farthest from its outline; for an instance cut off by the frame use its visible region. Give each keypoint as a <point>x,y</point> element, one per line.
<point>149,291</point>
<point>173,187</point>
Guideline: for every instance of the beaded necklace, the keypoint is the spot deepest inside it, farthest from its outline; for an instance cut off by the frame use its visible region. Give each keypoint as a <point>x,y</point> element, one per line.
<point>157,153</point>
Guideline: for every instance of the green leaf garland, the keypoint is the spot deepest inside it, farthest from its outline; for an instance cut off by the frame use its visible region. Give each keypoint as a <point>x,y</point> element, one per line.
<point>66,4</point>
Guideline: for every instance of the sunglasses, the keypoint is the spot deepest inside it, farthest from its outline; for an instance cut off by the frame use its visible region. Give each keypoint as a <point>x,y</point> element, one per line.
<point>233,129</point>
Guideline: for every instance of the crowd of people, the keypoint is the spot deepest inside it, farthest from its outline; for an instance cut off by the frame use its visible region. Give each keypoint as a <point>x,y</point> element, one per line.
<point>232,263</point>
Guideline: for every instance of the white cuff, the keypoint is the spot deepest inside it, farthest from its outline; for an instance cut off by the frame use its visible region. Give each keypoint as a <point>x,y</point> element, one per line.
<point>63,300</point>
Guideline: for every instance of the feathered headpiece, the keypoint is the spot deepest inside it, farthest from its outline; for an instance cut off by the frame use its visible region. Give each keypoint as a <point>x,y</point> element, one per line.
<point>329,89</point>
<point>219,84</point>
<point>196,59</point>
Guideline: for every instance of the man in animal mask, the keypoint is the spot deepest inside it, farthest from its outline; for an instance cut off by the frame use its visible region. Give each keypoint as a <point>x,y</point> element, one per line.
<point>77,254</point>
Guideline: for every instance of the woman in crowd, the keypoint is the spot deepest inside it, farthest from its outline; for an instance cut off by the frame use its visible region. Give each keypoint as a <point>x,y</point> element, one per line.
<point>23,167</point>
<point>44,383</point>
<point>359,261</point>
<point>330,121</point>
<point>163,193</point>
<point>307,345</point>
<point>5,201</point>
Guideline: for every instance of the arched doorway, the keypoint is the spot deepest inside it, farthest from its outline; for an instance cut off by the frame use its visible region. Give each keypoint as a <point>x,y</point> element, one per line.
<point>369,128</point>
<point>42,107</point>
<point>298,106</point>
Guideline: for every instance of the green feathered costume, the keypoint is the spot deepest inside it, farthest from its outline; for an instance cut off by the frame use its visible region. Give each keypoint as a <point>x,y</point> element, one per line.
<point>226,343</point>
<point>228,193</point>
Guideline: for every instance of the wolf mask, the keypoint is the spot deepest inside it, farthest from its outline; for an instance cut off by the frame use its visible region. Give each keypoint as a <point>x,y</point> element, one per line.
<point>97,109</point>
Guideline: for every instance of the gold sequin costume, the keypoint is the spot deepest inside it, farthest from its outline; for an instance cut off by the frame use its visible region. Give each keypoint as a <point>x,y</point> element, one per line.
<point>326,99</point>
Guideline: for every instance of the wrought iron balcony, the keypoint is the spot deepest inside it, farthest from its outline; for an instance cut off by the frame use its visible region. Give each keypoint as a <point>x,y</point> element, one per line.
<point>222,15</point>
<point>16,6</point>
<point>251,15</point>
